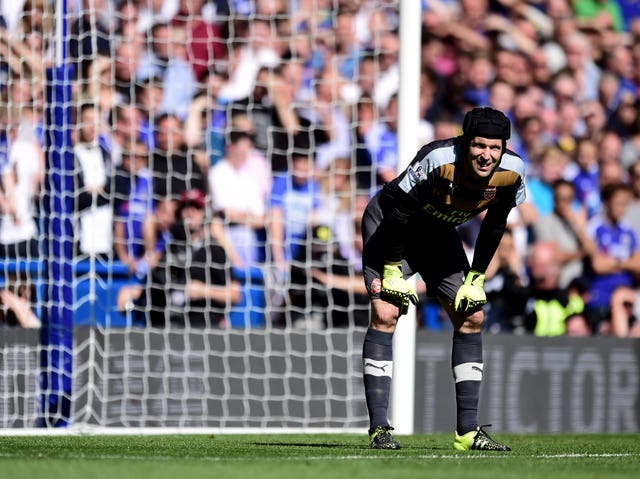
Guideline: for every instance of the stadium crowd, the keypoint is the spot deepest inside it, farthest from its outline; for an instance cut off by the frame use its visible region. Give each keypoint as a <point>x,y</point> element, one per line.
<point>272,122</point>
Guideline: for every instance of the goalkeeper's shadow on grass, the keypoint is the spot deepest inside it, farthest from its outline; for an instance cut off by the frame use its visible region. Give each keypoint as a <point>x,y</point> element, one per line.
<point>341,445</point>
<point>321,445</point>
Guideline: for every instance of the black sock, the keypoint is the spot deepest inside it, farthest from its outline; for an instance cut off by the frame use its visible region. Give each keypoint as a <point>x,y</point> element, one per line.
<point>377,356</point>
<point>466,361</point>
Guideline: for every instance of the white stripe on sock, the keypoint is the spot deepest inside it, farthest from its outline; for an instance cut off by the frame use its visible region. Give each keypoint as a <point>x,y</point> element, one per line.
<point>468,372</point>
<point>377,368</point>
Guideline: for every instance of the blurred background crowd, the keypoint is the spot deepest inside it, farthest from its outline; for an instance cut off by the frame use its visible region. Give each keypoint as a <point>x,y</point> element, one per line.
<point>220,140</point>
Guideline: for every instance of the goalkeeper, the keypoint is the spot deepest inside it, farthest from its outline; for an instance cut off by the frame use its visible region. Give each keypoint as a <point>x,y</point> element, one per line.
<point>410,227</point>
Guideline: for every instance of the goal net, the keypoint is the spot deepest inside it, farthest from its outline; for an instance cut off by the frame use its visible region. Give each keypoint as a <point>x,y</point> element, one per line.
<point>182,183</point>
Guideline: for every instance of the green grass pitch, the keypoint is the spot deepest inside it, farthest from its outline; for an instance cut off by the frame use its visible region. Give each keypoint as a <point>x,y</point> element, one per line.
<point>326,456</point>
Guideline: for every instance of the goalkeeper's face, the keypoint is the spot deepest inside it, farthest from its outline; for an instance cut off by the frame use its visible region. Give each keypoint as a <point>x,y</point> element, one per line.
<point>484,155</point>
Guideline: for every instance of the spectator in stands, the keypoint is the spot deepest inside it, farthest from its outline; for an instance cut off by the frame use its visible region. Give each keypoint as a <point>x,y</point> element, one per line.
<point>610,147</point>
<point>240,187</point>
<point>610,171</point>
<point>584,70</point>
<point>336,251</point>
<point>155,56</point>
<point>541,69</point>
<point>29,46</point>
<point>203,37</point>
<point>569,126</point>
<point>598,15</point>
<point>565,227</point>
<point>550,308</point>
<point>306,300</point>
<point>207,120</point>
<point>632,214</point>
<point>127,26</point>
<point>616,258</point>
<point>99,89</point>
<point>382,143</point>
<point>587,178</point>
<point>608,92</point>
<point>366,77</point>
<point>255,49</point>
<point>133,203</point>
<point>15,306</point>
<point>294,201</point>
<point>386,45</point>
<point>165,59</point>
<point>506,277</point>
<point>91,34</point>
<point>24,104</point>
<point>156,230</point>
<point>502,94</point>
<point>126,120</point>
<point>512,67</point>
<point>337,202</point>
<point>338,296</point>
<point>625,115</point>
<point>192,285</point>
<point>619,61</point>
<point>478,80</point>
<point>125,66</point>
<point>550,168</point>
<point>531,139</point>
<point>21,175</point>
<point>149,101</point>
<point>330,108</point>
<point>630,153</point>
<point>177,71</point>
<point>25,51</point>
<point>595,119</point>
<point>173,164</point>
<point>625,301</point>
<point>259,109</point>
<point>289,130</point>
<point>344,280</point>
<point>625,312</point>
<point>93,180</point>
<point>156,11</point>
<point>348,47</point>
<point>365,119</point>
<point>36,28</point>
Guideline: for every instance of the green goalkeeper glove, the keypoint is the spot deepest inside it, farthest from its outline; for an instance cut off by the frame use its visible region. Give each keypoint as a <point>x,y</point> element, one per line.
<point>395,289</point>
<point>471,296</point>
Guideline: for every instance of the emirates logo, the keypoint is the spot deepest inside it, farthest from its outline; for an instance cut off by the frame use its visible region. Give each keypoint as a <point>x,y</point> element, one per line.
<point>490,193</point>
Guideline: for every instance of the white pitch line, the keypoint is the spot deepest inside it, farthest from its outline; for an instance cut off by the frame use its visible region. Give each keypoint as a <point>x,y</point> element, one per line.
<point>326,458</point>
<point>533,456</point>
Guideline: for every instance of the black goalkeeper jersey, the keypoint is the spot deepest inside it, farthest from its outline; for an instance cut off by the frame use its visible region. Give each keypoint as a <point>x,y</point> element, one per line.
<point>434,188</point>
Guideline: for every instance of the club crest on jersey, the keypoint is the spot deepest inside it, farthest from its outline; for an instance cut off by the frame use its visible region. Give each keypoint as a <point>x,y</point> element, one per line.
<point>376,286</point>
<point>490,193</point>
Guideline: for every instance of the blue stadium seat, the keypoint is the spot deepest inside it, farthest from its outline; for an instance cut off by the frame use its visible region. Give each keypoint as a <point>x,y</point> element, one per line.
<point>249,313</point>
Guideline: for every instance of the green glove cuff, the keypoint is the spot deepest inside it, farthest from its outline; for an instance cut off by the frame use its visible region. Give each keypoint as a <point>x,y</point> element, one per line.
<point>474,278</point>
<point>392,270</point>
<point>395,289</point>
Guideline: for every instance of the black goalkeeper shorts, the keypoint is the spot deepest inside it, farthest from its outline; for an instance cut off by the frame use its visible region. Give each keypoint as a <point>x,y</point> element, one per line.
<point>433,249</point>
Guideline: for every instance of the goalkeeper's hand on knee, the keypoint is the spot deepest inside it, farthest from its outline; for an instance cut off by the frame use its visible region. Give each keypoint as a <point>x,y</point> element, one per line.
<point>471,296</point>
<point>395,289</point>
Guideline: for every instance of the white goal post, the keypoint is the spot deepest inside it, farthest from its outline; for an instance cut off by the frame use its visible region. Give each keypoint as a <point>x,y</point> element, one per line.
<point>404,347</point>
